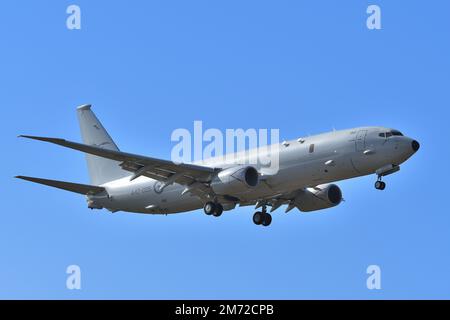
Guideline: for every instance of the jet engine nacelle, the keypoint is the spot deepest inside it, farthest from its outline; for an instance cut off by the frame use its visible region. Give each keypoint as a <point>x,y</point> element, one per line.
<point>320,197</point>
<point>235,180</point>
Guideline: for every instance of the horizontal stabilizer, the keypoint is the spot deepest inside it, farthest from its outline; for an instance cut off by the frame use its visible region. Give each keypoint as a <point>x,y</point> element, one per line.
<point>69,186</point>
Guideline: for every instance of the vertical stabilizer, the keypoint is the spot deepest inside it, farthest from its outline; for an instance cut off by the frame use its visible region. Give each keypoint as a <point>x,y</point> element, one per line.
<point>93,133</point>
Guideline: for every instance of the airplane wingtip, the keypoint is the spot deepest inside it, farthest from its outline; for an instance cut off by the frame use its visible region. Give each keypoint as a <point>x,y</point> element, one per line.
<point>25,136</point>
<point>46,139</point>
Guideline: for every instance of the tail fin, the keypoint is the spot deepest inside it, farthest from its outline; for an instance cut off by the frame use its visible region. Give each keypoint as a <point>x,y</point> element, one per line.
<point>101,170</point>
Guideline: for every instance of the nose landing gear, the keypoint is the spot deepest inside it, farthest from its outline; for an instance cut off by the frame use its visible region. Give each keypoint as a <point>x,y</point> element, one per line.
<point>384,171</point>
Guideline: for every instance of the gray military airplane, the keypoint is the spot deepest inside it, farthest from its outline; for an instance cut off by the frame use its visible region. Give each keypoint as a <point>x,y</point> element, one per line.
<point>307,167</point>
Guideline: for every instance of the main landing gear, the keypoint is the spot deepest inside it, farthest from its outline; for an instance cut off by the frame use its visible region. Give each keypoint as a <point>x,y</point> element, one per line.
<point>213,208</point>
<point>380,185</point>
<point>262,218</point>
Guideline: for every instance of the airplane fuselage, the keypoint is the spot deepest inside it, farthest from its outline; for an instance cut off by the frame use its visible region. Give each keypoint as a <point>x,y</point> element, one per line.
<point>303,163</point>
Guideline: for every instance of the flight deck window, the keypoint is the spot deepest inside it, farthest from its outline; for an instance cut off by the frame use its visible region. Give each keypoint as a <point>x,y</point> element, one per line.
<point>396,133</point>
<point>390,134</point>
<point>311,148</point>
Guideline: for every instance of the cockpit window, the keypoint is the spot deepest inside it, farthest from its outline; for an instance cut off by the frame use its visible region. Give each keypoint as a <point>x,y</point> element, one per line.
<point>390,134</point>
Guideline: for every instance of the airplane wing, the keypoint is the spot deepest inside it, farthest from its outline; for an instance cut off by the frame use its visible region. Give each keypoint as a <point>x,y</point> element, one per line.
<point>166,171</point>
<point>69,186</point>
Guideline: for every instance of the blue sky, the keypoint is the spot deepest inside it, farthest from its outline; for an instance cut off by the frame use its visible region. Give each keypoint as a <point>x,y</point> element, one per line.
<point>149,67</point>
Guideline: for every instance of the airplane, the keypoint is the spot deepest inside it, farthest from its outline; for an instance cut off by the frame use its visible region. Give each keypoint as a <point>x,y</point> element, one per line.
<point>308,168</point>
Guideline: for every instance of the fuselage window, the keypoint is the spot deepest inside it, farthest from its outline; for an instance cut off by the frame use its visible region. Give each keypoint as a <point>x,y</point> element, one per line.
<point>311,148</point>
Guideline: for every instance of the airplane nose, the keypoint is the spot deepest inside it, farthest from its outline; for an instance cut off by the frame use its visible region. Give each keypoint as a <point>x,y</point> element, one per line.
<point>415,145</point>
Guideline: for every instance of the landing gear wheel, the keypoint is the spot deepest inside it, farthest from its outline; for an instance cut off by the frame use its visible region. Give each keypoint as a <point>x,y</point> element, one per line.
<point>218,210</point>
<point>209,208</point>
<point>380,185</point>
<point>258,218</point>
<point>267,220</point>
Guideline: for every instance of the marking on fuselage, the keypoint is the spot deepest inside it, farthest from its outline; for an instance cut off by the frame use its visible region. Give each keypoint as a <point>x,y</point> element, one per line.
<point>157,187</point>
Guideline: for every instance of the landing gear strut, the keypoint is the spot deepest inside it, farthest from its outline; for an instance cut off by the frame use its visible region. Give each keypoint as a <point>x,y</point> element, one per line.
<point>213,208</point>
<point>380,185</point>
<point>262,218</point>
